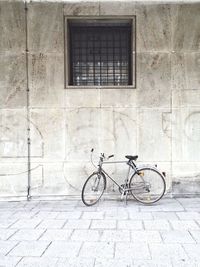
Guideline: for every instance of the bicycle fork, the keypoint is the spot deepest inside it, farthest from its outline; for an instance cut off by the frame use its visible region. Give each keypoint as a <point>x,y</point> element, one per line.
<point>96,184</point>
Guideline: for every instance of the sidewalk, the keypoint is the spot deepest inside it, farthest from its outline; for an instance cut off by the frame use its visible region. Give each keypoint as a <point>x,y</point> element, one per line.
<point>66,233</point>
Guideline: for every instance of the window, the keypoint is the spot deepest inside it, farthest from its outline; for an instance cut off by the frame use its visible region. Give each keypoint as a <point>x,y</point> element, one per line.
<point>100,52</point>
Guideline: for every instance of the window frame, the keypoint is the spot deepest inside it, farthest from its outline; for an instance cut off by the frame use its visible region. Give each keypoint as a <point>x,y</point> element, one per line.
<point>67,61</point>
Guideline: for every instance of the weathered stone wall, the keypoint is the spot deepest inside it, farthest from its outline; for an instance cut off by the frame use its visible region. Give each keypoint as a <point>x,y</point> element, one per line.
<point>159,120</point>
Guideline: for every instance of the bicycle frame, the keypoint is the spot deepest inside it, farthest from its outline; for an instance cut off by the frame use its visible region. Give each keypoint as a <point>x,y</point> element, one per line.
<point>136,183</point>
<point>131,165</point>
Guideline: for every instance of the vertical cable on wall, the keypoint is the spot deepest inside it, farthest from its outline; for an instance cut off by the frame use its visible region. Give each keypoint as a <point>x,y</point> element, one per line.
<point>28,106</point>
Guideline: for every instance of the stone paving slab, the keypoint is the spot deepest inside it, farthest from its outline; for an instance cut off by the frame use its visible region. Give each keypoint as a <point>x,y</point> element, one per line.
<point>130,224</point>
<point>146,236</point>
<point>69,215</point>
<point>93,215</point>
<point>154,263</point>
<point>97,250</point>
<point>157,225</point>
<point>181,237</point>
<point>116,235</point>
<point>51,223</point>
<point>67,233</point>
<point>6,261</point>
<point>27,234</point>
<point>140,215</point>
<point>193,251</point>
<point>26,223</point>
<point>186,263</point>
<point>184,225</point>
<point>63,249</point>
<point>113,262</point>
<point>56,235</point>
<point>164,215</point>
<point>104,224</point>
<point>188,215</point>
<point>5,223</point>
<point>196,235</point>
<point>85,235</point>
<point>58,262</point>
<point>47,215</point>
<point>7,246</point>
<point>29,248</point>
<point>77,224</point>
<point>132,250</point>
<point>7,233</point>
<point>165,251</point>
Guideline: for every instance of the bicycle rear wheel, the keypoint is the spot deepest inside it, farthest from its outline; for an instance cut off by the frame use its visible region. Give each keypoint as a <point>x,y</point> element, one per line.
<point>93,188</point>
<point>148,185</point>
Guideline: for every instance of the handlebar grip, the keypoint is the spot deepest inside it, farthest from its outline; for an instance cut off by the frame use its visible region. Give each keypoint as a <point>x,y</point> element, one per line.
<point>110,156</point>
<point>92,149</point>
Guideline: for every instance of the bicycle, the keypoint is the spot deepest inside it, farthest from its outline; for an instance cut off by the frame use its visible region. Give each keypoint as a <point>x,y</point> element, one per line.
<point>146,183</point>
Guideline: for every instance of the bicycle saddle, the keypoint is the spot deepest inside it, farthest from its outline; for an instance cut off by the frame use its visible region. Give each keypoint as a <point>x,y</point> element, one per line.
<point>131,157</point>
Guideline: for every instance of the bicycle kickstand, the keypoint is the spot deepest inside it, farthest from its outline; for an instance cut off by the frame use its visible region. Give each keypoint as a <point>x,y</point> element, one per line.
<point>122,196</point>
<point>126,196</point>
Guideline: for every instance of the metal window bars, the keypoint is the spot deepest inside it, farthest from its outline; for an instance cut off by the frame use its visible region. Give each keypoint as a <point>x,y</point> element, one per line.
<point>100,54</point>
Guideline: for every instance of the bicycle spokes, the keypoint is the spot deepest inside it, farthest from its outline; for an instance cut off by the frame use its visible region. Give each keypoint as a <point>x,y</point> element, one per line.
<point>147,186</point>
<point>93,189</point>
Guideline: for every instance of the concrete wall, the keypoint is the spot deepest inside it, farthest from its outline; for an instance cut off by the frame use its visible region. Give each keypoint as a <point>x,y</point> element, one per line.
<point>159,120</point>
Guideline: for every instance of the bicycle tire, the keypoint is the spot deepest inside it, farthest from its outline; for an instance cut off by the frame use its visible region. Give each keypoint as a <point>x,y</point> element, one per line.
<point>92,192</point>
<point>147,185</point>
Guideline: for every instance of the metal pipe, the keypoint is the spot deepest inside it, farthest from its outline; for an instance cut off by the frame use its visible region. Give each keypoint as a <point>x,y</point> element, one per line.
<point>28,107</point>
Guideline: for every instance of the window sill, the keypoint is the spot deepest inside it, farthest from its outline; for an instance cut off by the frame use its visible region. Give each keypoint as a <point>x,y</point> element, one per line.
<point>100,87</point>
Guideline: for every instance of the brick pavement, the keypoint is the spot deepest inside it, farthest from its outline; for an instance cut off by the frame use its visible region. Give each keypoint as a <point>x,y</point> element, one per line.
<point>66,233</point>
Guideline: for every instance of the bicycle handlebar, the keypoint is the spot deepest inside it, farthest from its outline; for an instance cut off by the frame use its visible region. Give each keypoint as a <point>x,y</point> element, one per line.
<point>102,157</point>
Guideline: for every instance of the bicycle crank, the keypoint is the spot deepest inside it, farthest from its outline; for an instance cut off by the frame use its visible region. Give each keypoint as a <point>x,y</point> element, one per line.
<point>123,192</point>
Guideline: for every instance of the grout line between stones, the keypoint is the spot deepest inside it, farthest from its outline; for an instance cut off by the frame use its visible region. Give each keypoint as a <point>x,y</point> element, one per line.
<point>81,246</point>
<point>46,249</point>
<point>193,238</point>
<point>12,248</point>
<point>17,230</point>
<point>42,234</point>
<point>19,261</point>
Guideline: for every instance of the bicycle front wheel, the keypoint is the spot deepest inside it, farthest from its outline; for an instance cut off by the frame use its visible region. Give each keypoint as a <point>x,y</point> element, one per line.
<point>148,185</point>
<point>93,188</point>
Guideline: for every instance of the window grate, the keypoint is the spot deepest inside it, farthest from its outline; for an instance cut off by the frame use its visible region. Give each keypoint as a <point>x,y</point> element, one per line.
<point>100,55</point>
